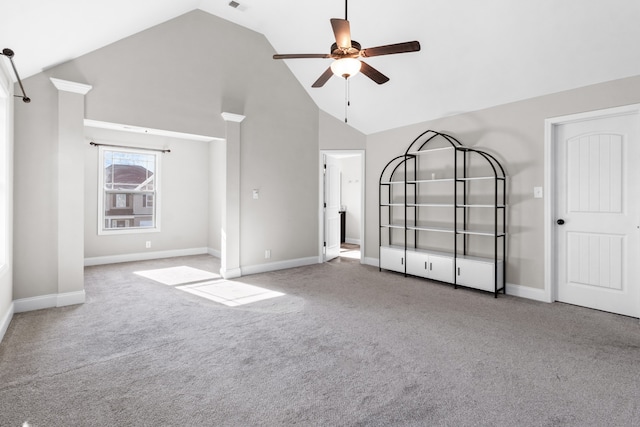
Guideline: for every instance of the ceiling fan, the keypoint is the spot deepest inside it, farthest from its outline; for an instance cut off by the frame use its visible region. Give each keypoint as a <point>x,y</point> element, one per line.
<point>346,53</point>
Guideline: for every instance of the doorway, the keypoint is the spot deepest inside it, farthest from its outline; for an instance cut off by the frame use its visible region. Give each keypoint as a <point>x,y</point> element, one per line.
<point>341,204</point>
<point>593,215</point>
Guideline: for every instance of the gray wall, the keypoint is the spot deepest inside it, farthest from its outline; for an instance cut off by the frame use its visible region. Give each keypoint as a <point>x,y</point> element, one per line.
<point>514,133</point>
<point>178,76</point>
<point>336,135</point>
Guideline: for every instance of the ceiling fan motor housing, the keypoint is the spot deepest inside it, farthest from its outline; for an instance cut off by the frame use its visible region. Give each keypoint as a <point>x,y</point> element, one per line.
<point>353,51</point>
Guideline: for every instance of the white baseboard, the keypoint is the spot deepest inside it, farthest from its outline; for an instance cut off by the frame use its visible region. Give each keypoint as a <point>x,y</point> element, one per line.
<point>527,292</point>
<point>352,241</point>
<point>143,256</point>
<point>5,321</point>
<point>71,298</point>
<point>279,265</point>
<point>374,262</point>
<point>48,301</point>
<point>214,252</point>
<point>231,274</point>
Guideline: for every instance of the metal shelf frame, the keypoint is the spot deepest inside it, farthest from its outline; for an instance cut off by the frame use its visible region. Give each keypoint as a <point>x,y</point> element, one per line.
<point>399,189</point>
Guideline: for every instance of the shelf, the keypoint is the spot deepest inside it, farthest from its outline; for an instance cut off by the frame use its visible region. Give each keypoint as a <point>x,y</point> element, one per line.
<point>480,178</point>
<point>481,206</point>
<point>427,181</point>
<point>425,224</point>
<point>430,228</point>
<point>432,205</point>
<point>401,226</point>
<point>430,151</point>
<point>481,233</point>
<point>420,181</point>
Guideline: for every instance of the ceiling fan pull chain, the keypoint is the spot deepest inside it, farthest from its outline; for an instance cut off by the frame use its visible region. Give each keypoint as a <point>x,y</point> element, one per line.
<point>347,102</point>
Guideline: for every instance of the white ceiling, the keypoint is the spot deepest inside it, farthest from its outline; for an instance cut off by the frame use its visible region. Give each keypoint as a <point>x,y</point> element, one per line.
<point>475,54</point>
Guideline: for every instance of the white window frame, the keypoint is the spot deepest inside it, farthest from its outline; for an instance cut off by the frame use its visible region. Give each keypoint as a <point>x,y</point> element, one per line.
<point>157,198</point>
<point>5,170</point>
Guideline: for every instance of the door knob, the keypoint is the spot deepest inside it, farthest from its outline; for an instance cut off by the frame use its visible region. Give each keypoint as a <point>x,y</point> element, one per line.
<point>560,221</point>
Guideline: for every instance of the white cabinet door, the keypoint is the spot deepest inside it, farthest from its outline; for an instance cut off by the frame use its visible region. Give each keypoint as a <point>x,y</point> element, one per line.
<point>392,258</point>
<point>478,273</point>
<point>440,268</point>
<point>417,264</point>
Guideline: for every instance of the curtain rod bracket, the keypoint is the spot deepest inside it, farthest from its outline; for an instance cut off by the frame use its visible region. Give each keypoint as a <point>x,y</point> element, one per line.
<point>9,54</point>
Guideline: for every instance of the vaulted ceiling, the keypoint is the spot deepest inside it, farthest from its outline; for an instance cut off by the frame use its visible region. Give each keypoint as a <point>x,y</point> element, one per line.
<point>475,54</point>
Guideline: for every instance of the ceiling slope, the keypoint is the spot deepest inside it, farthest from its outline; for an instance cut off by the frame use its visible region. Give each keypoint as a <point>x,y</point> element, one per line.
<point>474,54</point>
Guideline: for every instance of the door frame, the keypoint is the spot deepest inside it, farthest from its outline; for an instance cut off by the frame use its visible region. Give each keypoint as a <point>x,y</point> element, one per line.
<point>550,170</point>
<point>359,153</point>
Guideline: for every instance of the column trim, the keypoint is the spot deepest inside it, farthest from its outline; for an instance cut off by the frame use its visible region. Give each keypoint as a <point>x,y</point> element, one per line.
<point>67,86</point>
<point>232,117</point>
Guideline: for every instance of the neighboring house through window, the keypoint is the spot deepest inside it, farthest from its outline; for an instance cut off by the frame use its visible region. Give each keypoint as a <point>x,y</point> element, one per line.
<point>128,189</point>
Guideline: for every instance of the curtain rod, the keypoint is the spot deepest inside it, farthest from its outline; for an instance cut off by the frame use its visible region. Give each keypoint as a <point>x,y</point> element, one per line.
<point>9,54</point>
<point>95,144</point>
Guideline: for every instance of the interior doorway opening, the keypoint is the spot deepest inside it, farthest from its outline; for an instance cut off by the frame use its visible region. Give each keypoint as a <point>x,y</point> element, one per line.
<point>341,205</point>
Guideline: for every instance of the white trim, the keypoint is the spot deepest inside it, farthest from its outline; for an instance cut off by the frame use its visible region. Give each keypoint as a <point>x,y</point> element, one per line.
<point>67,86</point>
<point>231,273</point>
<point>374,262</point>
<point>143,256</point>
<point>232,117</point>
<point>6,320</point>
<point>48,301</point>
<point>214,252</point>
<point>279,265</point>
<point>149,131</point>
<point>70,298</point>
<point>527,292</point>
<point>550,291</point>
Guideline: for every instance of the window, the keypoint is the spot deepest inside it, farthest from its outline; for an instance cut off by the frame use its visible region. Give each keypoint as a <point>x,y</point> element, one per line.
<point>128,194</point>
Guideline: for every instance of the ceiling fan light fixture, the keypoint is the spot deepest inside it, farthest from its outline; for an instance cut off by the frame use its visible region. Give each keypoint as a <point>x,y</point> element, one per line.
<point>346,67</point>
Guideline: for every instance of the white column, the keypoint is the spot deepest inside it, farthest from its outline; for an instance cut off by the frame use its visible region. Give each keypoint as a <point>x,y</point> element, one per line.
<point>230,233</point>
<point>70,187</point>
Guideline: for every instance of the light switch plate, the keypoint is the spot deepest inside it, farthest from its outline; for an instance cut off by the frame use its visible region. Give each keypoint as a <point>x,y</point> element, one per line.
<point>537,192</point>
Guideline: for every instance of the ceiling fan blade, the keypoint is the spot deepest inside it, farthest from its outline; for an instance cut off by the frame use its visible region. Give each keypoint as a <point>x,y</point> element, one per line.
<point>342,31</point>
<point>301,55</point>
<point>323,78</point>
<point>390,49</point>
<point>373,74</point>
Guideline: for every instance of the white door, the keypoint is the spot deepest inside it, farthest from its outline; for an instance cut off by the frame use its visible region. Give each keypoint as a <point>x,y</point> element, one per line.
<point>597,213</point>
<point>331,208</point>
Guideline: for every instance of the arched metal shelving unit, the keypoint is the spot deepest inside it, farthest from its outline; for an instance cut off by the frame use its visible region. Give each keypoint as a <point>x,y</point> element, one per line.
<point>442,214</point>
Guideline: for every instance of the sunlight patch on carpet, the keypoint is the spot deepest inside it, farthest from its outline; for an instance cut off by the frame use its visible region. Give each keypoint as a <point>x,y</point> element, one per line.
<point>229,293</point>
<point>173,276</point>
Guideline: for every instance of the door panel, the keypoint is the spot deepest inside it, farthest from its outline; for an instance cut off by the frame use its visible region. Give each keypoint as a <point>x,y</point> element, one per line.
<point>332,208</point>
<point>392,259</point>
<point>417,263</point>
<point>597,241</point>
<point>441,268</point>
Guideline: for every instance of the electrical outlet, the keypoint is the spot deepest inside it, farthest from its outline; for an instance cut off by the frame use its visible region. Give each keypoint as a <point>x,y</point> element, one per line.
<point>267,254</point>
<point>148,244</point>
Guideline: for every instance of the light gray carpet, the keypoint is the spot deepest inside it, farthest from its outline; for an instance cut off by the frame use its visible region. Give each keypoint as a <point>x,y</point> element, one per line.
<point>346,346</point>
